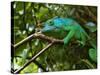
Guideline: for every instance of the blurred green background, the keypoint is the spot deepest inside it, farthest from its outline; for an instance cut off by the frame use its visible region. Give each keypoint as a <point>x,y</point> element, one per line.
<point>28,17</point>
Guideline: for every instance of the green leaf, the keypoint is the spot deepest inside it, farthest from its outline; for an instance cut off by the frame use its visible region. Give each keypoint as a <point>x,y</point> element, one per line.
<point>93,54</point>
<point>19,6</point>
<point>30,68</point>
<point>28,5</point>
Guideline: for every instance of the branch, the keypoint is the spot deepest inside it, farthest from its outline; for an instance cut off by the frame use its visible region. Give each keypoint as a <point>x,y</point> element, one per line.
<point>38,64</point>
<point>39,36</point>
<point>33,58</point>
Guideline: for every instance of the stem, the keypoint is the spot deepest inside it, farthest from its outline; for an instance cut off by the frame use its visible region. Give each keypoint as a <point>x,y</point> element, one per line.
<point>39,36</point>
<point>31,60</point>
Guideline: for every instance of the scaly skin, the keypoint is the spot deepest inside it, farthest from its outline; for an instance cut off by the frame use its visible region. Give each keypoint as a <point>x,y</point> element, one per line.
<point>66,29</point>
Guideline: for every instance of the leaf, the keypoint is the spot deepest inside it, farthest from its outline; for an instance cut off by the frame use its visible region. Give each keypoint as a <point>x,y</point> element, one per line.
<point>93,54</point>
<point>30,68</point>
<point>19,6</point>
<point>28,5</point>
<point>42,13</point>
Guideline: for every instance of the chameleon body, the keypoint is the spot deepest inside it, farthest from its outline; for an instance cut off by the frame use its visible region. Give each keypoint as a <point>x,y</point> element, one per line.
<point>66,29</point>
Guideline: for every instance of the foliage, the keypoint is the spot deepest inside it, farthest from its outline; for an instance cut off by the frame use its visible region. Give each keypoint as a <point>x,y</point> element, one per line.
<point>93,54</point>
<point>29,18</point>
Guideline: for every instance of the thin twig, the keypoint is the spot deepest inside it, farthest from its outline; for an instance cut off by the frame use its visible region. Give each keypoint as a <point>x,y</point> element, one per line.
<point>38,64</point>
<point>39,36</point>
<point>31,60</point>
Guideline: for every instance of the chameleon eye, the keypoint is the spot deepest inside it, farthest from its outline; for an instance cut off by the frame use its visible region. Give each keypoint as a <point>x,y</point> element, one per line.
<point>51,23</point>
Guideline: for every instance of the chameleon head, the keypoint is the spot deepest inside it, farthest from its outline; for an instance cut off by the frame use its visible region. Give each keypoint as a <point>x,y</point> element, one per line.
<point>52,24</point>
<point>48,26</point>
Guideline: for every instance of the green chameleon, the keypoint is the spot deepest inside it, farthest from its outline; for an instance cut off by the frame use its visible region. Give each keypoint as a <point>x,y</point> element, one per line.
<point>66,29</point>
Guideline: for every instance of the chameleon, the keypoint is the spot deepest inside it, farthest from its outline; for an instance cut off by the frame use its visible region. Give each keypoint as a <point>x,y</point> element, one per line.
<point>66,29</point>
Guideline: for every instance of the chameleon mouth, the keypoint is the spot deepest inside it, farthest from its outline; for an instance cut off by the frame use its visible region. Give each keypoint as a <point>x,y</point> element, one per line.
<point>48,28</point>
